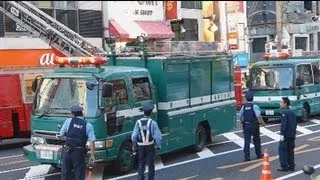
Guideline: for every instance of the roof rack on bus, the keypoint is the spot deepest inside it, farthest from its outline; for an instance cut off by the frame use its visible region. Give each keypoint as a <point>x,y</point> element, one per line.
<point>173,49</point>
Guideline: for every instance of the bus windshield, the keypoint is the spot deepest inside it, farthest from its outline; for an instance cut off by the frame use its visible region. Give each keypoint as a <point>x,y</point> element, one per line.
<point>56,96</point>
<point>272,78</point>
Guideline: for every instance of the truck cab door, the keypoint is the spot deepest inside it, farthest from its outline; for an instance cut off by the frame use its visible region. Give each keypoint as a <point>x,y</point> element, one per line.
<point>142,93</point>
<point>116,107</point>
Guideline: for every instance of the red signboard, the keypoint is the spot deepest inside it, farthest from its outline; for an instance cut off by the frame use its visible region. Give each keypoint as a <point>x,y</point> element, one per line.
<point>171,10</point>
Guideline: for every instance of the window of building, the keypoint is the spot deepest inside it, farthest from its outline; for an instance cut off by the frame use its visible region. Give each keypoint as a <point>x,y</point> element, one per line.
<point>258,44</point>
<point>65,5</point>
<point>191,4</point>
<point>68,18</point>
<point>311,45</point>
<point>304,74</point>
<point>191,27</point>
<point>64,11</point>
<point>141,89</point>
<point>318,40</point>
<point>308,5</point>
<point>301,43</point>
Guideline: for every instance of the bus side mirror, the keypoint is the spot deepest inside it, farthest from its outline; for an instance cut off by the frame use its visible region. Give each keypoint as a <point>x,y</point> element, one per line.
<point>35,83</point>
<point>107,90</point>
<point>91,84</point>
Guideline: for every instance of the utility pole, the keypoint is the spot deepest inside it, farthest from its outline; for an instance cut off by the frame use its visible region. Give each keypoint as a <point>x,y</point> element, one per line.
<point>279,14</point>
<point>227,25</point>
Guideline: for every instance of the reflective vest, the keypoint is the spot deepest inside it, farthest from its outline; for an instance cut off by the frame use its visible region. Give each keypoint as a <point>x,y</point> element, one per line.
<point>145,137</point>
<point>249,115</point>
<point>76,135</point>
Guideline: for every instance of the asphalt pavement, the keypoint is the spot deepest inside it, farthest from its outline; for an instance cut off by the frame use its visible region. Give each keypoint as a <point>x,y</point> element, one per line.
<point>223,159</point>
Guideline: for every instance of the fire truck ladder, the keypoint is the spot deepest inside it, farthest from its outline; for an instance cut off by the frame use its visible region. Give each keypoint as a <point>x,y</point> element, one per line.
<point>57,35</point>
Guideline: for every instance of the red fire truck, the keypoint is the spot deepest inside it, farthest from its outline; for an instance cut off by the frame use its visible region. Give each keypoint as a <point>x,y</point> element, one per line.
<point>18,67</point>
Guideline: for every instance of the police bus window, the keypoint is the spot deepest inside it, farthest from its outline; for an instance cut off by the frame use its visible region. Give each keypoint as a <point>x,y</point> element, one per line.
<point>119,96</point>
<point>141,89</point>
<point>304,74</point>
<point>316,73</point>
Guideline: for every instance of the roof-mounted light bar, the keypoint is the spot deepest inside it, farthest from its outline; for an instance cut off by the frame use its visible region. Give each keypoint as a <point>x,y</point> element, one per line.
<point>281,55</point>
<point>62,61</point>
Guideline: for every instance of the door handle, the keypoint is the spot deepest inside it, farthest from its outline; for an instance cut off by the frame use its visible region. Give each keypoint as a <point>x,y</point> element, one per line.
<point>192,113</point>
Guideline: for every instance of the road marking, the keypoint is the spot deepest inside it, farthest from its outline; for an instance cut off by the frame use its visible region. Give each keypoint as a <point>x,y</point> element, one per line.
<point>218,178</point>
<point>13,170</point>
<point>158,163</point>
<point>236,139</point>
<point>317,138</point>
<point>190,177</point>
<point>12,162</point>
<point>303,130</point>
<point>197,159</point>
<point>315,121</point>
<point>11,156</point>
<point>38,171</point>
<point>269,133</point>
<point>271,159</point>
<point>295,173</point>
<point>205,153</point>
<point>239,164</point>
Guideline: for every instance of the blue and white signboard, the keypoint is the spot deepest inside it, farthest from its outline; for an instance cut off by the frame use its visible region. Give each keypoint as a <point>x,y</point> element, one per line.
<point>241,60</point>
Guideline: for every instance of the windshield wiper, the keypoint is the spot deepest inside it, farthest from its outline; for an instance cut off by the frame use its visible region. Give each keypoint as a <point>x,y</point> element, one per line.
<point>49,111</point>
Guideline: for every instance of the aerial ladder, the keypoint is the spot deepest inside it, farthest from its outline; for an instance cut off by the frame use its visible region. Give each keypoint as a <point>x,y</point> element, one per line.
<point>48,29</point>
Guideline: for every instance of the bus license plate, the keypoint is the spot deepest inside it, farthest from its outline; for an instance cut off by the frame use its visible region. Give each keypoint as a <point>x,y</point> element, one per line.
<point>46,154</point>
<point>269,112</point>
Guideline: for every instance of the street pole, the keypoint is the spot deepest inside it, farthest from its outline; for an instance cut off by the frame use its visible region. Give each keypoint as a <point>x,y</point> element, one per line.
<point>105,23</point>
<point>279,14</point>
<point>227,26</point>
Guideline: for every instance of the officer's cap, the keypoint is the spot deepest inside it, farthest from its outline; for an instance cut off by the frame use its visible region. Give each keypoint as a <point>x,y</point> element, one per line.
<point>76,109</point>
<point>147,107</point>
<point>249,95</point>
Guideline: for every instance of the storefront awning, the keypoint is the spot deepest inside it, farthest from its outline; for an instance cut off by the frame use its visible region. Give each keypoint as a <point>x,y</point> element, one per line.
<point>156,29</point>
<point>132,29</point>
<point>115,29</point>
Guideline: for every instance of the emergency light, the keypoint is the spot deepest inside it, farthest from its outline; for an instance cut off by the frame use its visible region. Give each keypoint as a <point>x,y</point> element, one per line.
<point>281,55</point>
<point>80,61</point>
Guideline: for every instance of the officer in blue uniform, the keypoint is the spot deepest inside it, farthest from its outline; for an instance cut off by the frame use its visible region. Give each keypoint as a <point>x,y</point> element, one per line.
<point>287,136</point>
<point>77,132</point>
<point>146,137</point>
<point>250,117</point>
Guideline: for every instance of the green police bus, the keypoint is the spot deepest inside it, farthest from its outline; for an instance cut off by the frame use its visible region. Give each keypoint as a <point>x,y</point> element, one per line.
<point>296,77</point>
<point>193,95</point>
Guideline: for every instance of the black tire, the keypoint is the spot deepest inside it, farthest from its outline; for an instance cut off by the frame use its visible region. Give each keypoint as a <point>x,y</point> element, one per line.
<point>200,139</point>
<point>265,119</point>
<point>305,115</point>
<point>125,159</point>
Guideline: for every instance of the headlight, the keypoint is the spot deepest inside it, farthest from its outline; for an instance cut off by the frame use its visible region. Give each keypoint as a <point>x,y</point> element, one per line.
<point>37,140</point>
<point>98,144</point>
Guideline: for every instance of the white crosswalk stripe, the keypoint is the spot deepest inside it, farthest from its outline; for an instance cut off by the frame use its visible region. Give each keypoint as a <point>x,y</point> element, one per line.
<point>269,133</point>
<point>236,139</point>
<point>303,130</point>
<point>205,153</point>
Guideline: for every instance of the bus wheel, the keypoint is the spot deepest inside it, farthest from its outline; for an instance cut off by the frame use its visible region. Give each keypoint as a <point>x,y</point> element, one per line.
<point>124,161</point>
<point>305,115</point>
<point>200,139</point>
<point>265,119</point>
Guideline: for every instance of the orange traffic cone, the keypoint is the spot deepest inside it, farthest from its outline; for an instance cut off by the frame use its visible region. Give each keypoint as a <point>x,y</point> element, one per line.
<point>266,167</point>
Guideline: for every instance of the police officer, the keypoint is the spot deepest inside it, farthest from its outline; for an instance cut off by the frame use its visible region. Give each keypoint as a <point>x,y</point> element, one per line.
<point>77,131</point>
<point>250,117</point>
<point>146,137</point>
<point>287,136</point>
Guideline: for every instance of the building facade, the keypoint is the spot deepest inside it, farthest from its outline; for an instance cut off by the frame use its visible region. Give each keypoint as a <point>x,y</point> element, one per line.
<point>302,32</point>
